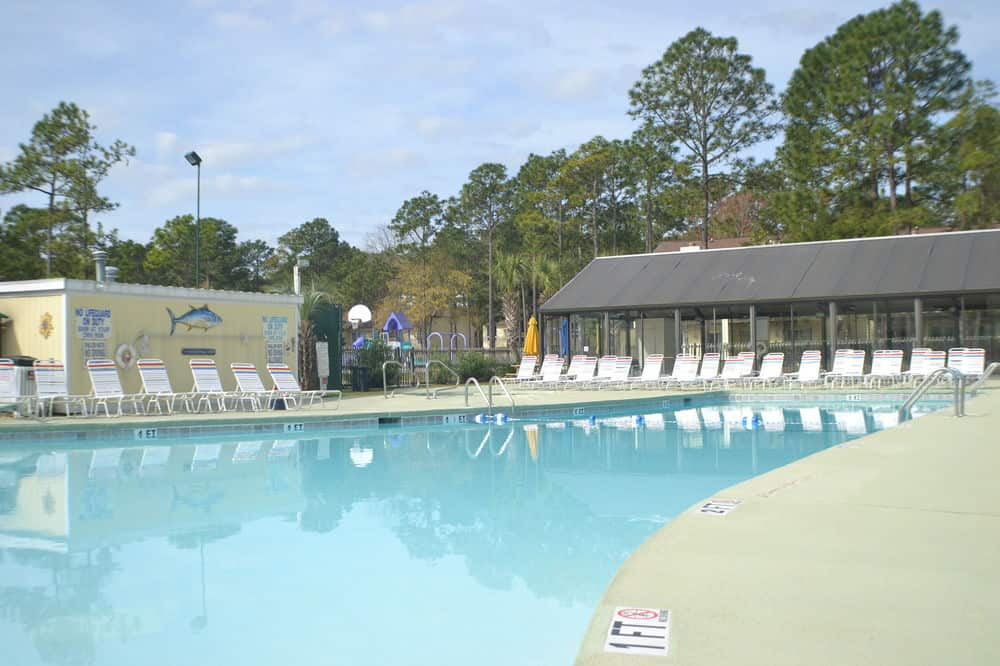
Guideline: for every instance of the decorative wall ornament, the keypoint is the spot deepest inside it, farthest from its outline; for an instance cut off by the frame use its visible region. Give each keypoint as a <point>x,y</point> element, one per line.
<point>125,355</point>
<point>46,327</point>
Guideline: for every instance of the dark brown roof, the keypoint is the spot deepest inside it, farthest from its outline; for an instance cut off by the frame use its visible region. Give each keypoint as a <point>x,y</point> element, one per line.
<point>892,266</point>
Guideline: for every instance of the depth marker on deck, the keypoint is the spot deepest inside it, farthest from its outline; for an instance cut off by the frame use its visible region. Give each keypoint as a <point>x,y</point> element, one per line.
<point>718,507</point>
<point>644,631</point>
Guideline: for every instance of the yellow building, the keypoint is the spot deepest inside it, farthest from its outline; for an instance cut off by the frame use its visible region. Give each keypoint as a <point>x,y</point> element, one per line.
<point>77,320</point>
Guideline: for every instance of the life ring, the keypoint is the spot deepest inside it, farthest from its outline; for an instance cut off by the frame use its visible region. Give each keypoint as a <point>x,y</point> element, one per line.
<point>125,355</point>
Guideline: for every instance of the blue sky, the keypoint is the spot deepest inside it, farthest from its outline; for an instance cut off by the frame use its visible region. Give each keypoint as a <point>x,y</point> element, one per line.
<point>306,108</point>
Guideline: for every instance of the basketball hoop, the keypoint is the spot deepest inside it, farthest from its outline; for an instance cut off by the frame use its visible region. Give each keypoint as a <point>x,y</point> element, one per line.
<point>359,314</point>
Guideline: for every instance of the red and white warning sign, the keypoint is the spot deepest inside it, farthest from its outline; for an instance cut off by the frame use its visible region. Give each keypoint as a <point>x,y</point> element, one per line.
<point>636,630</point>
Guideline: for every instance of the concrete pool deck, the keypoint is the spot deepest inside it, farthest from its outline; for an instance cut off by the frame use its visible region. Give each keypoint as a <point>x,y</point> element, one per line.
<point>881,550</point>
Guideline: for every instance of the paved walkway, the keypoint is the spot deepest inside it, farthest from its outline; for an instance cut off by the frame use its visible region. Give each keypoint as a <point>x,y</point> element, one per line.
<point>883,550</point>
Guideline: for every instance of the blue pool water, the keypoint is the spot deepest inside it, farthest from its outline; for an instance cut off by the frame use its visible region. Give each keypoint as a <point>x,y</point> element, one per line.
<point>466,544</point>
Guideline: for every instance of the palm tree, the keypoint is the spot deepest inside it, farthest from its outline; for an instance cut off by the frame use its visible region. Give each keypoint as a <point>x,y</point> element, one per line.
<point>509,275</point>
<point>543,274</point>
<point>312,301</point>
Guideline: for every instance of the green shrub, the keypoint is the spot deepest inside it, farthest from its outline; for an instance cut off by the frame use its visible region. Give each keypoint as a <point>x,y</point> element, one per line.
<point>373,355</point>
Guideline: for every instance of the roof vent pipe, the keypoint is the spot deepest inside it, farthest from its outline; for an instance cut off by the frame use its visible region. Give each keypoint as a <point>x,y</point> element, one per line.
<point>111,273</point>
<point>100,261</point>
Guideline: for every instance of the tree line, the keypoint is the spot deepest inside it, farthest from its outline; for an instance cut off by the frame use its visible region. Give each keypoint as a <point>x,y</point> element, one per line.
<point>882,130</point>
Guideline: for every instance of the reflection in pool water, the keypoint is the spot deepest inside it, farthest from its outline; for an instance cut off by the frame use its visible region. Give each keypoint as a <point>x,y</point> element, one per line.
<point>444,545</point>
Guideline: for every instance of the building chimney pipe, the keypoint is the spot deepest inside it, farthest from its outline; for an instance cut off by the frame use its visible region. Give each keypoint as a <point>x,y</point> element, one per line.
<point>100,262</point>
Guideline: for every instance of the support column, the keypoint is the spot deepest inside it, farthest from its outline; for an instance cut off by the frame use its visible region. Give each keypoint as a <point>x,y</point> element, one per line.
<point>641,351</point>
<point>918,322</point>
<point>677,331</point>
<point>753,334</point>
<point>607,336</point>
<point>541,334</point>
<point>831,335</point>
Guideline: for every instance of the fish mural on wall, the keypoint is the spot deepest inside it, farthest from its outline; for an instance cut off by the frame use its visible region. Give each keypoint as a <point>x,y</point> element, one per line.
<point>202,318</point>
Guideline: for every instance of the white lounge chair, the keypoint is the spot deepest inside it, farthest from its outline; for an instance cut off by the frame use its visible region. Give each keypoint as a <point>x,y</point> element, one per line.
<point>770,370</point>
<point>709,369</point>
<point>208,386</point>
<point>581,370</point>
<point>810,369</point>
<point>650,372</point>
<point>918,359</point>
<point>548,376</point>
<point>733,371</point>
<point>50,384</point>
<point>848,367</point>
<point>23,404</point>
<point>617,377</point>
<point>288,386</point>
<point>157,389</point>
<point>605,368</point>
<point>108,388</point>
<point>973,362</point>
<point>249,384</point>
<point>685,371</point>
<point>924,363</point>
<point>887,366</point>
<point>525,370</point>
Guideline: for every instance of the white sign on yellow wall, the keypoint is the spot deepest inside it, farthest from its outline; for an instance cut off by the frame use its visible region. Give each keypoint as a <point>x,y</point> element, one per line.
<point>93,328</point>
<point>275,332</point>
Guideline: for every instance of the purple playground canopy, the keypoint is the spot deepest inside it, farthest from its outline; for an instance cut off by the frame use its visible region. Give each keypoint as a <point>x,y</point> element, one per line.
<point>397,321</point>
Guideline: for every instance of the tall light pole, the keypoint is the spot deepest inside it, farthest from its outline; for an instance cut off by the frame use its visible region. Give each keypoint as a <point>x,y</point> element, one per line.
<point>195,161</point>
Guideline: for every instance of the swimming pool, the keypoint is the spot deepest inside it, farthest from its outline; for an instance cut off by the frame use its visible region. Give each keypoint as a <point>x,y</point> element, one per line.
<point>455,544</point>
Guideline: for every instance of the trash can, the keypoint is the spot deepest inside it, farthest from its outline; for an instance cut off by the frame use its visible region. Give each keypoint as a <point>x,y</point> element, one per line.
<point>24,375</point>
<point>360,378</point>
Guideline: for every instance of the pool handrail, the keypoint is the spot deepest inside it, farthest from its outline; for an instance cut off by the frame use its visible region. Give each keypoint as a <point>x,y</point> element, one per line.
<point>475,382</point>
<point>385,384</point>
<point>990,369</point>
<point>925,385</point>
<point>503,387</point>
<point>427,379</point>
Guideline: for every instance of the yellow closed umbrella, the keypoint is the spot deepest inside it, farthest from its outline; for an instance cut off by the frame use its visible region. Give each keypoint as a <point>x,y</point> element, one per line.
<point>531,338</point>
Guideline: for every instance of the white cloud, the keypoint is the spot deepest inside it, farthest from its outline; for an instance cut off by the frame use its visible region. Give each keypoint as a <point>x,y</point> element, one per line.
<point>380,161</point>
<point>225,153</point>
<point>165,143</point>
<point>577,83</point>
<point>239,21</point>
<point>436,127</point>
<point>173,190</point>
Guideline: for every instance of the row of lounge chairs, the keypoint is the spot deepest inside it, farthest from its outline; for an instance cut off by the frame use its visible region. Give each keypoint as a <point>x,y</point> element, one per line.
<point>690,371</point>
<point>157,396</point>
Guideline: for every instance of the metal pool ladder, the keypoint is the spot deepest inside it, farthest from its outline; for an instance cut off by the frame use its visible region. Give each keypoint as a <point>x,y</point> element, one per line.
<point>931,379</point>
<point>488,398</point>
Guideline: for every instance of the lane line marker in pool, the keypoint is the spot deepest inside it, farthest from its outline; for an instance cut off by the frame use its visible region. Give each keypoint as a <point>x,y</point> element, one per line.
<point>718,507</point>
<point>643,631</point>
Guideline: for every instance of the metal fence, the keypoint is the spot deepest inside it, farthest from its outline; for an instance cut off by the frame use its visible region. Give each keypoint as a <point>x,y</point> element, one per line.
<point>413,362</point>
